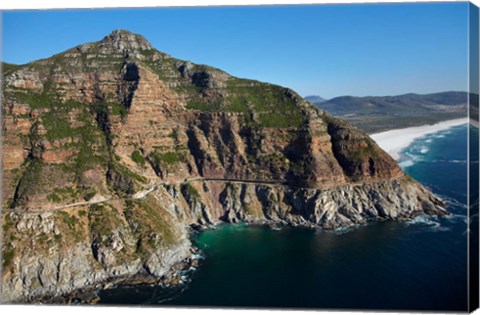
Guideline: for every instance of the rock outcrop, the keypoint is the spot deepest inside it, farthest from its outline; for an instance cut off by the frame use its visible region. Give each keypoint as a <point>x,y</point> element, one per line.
<point>112,149</point>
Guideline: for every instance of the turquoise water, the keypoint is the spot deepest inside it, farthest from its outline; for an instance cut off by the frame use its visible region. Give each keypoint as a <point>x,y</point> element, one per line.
<point>419,265</point>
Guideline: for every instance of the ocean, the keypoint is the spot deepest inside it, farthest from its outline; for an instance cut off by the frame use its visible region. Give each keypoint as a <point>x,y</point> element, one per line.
<point>416,265</point>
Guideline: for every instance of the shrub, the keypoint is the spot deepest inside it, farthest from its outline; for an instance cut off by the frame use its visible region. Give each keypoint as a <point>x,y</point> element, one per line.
<point>138,158</point>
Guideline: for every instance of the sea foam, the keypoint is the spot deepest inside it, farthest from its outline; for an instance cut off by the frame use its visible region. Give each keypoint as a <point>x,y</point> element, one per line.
<point>429,222</point>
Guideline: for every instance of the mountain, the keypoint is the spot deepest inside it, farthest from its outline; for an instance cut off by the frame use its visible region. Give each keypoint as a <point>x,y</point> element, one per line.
<point>375,114</point>
<point>112,149</point>
<point>315,99</point>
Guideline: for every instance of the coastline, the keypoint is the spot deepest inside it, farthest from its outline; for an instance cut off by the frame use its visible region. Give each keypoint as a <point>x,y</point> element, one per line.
<point>395,140</point>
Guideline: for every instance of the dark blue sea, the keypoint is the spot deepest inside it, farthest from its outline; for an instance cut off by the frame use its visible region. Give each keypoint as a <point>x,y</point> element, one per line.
<point>416,265</point>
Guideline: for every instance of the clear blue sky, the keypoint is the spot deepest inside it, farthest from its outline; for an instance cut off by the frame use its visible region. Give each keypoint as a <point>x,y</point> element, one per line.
<point>328,50</point>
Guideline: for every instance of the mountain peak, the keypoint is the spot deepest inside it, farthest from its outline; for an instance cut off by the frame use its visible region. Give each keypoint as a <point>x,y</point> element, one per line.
<point>125,40</point>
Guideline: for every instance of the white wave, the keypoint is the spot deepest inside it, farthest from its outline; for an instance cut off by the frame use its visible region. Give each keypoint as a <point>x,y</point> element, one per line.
<point>429,222</point>
<point>408,159</point>
<point>453,202</point>
<point>406,163</point>
<point>343,230</point>
<point>424,150</point>
<point>197,257</point>
<point>450,161</point>
<point>421,219</point>
<point>457,217</point>
<point>414,157</point>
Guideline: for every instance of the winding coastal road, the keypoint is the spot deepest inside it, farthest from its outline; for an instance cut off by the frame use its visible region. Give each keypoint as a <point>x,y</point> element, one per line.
<point>143,193</point>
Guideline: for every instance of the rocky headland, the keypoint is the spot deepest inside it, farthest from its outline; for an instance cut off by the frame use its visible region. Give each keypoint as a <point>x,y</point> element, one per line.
<point>112,150</point>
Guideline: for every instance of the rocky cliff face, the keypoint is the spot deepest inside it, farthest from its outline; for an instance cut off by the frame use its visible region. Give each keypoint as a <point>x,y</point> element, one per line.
<point>112,148</point>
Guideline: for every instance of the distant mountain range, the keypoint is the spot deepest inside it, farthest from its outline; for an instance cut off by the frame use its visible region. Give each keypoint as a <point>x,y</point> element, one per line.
<point>374,114</point>
<point>314,99</point>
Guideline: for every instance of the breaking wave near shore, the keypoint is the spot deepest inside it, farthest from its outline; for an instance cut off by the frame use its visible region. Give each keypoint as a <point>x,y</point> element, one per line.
<point>439,160</point>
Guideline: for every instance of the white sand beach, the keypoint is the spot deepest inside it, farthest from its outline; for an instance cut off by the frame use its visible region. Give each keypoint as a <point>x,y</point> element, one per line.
<point>393,141</point>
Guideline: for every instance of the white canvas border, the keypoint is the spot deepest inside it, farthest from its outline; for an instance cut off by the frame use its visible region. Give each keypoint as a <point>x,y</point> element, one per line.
<point>56,4</point>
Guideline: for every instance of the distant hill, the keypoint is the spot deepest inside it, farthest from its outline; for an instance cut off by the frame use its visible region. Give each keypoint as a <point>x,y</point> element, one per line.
<point>401,104</point>
<point>374,114</point>
<point>315,99</point>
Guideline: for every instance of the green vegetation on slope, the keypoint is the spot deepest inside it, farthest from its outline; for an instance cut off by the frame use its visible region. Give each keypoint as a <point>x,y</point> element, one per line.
<point>138,158</point>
